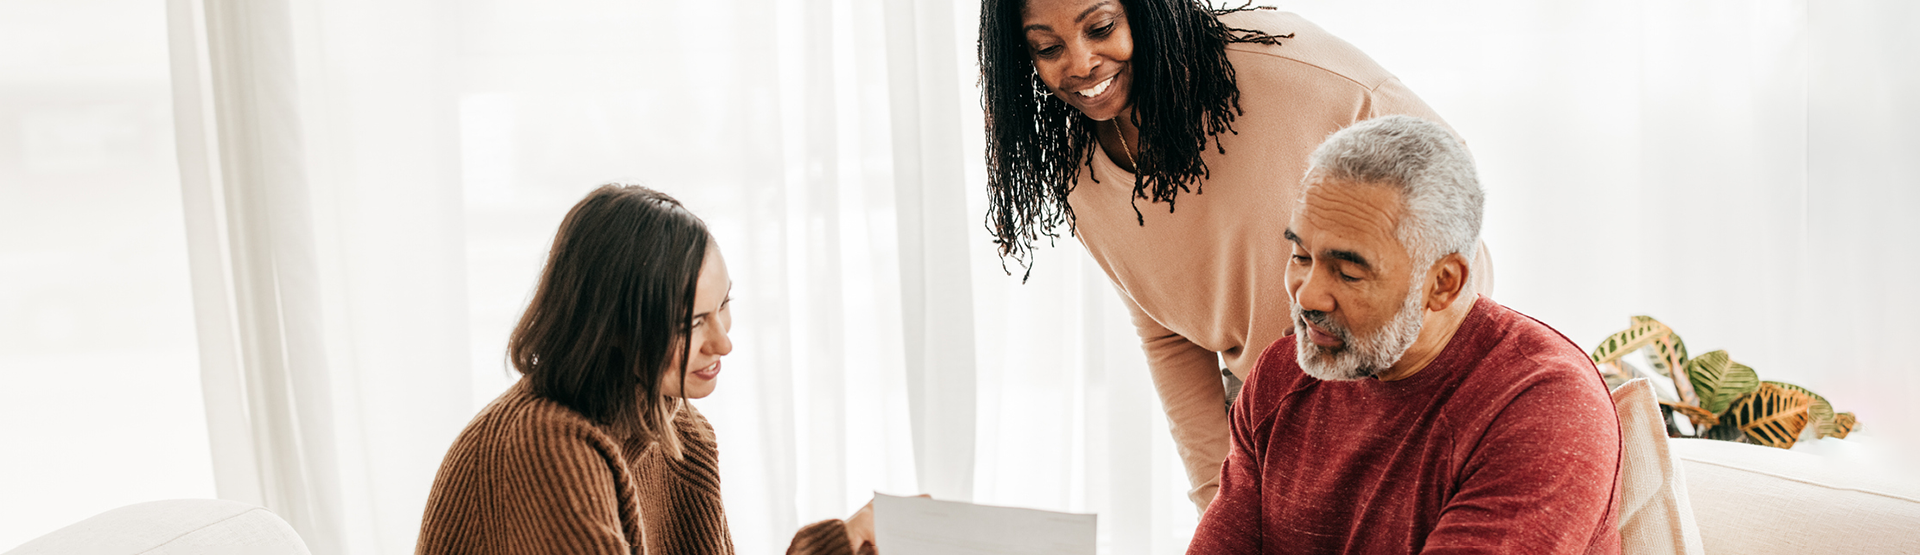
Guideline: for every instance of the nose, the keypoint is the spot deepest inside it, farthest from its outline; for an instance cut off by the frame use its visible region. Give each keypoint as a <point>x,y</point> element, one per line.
<point>1308,290</point>
<point>1081,60</point>
<point>718,343</point>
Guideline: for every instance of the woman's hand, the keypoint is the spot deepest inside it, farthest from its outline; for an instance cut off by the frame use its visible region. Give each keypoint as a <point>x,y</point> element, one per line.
<point>860,529</point>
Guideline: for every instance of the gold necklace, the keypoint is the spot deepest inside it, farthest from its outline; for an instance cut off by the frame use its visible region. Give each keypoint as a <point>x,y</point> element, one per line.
<point>1124,149</point>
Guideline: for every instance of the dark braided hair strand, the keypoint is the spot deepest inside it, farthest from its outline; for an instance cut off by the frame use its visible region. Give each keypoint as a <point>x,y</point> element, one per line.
<point>1183,95</point>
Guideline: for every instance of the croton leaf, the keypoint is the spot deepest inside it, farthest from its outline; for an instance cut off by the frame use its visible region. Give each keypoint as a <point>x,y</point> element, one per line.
<point>1820,414</point>
<point>1718,380</point>
<point>1672,354</point>
<point>1771,415</point>
<point>1843,424</point>
<point>1724,432</point>
<point>1642,333</point>
<point>1669,351</point>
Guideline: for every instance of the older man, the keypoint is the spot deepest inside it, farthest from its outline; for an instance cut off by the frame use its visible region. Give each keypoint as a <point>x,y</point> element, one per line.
<point>1408,414</point>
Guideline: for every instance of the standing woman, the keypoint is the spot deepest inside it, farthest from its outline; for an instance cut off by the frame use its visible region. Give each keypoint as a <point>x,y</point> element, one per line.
<point>596,449</point>
<point>1171,139</point>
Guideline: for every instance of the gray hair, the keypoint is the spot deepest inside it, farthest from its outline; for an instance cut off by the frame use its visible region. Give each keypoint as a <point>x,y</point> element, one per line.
<point>1429,168</point>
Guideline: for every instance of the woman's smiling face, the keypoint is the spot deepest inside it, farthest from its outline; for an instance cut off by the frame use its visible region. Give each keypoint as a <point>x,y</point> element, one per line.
<point>1082,49</point>
<point>707,334</point>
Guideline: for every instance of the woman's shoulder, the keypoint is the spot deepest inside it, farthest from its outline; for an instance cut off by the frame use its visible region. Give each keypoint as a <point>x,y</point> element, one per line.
<point>1309,53</point>
<point>696,434</point>
<point>521,421</point>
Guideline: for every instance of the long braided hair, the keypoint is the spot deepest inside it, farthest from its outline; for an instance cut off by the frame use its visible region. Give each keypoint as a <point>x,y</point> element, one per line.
<point>1183,94</point>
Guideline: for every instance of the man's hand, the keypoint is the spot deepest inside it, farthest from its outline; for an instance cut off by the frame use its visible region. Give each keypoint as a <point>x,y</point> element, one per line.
<point>860,529</point>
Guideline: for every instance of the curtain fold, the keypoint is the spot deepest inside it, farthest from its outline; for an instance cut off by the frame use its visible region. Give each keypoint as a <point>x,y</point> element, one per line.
<point>370,188</point>
<point>325,233</point>
<point>267,287</point>
<point>930,195</point>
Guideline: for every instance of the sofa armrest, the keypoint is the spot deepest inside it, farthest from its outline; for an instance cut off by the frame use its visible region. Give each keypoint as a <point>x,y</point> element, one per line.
<point>1751,499</point>
<point>176,526</point>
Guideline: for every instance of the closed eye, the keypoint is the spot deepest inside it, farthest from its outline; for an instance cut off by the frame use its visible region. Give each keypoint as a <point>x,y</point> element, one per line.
<point>701,318</point>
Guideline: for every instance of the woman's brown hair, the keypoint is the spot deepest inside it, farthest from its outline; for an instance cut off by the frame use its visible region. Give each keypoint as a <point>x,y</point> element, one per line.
<point>612,310</point>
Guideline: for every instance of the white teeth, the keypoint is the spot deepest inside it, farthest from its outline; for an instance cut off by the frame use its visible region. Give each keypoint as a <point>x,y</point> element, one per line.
<point>1097,89</point>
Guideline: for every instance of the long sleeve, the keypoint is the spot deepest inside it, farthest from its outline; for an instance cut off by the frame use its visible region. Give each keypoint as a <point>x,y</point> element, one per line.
<point>827,537</point>
<point>1187,376</point>
<point>1540,480</point>
<point>1231,524</point>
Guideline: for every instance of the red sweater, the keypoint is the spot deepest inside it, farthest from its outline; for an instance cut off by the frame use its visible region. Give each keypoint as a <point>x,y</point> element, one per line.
<point>1506,443</point>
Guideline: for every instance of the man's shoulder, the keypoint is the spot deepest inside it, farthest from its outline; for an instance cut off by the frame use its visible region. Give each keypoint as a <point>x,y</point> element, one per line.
<point>1309,54</point>
<point>1522,335</point>
<point>1522,356</point>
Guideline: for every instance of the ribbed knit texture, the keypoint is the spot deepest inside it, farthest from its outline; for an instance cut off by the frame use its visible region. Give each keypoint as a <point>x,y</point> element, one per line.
<point>531,476</point>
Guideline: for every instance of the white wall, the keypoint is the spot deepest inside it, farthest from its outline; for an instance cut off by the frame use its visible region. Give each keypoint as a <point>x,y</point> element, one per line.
<point>1742,170</point>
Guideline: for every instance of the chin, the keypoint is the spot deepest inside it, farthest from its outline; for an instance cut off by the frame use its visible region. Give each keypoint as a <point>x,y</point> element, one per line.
<point>700,391</point>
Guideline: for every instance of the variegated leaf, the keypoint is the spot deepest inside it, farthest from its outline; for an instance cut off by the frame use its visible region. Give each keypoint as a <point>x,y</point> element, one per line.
<point>1673,355</point>
<point>1843,424</point>
<point>1629,340</point>
<point>1821,413</point>
<point>1771,415</point>
<point>1669,352</point>
<point>1718,380</point>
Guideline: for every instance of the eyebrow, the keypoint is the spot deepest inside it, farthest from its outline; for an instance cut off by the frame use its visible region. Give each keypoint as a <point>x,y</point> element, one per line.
<point>1349,256</point>
<point>1352,257</point>
<point>1082,17</point>
<point>729,299</point>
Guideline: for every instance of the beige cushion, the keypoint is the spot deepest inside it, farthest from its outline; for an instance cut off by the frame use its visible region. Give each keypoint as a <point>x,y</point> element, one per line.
<point>1655,517</point>
<point>1756,499</point>
<point>173,527</point>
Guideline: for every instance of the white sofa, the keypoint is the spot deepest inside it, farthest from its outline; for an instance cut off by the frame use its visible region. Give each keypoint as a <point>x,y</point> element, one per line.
<point>173,527</point>
<point>1751,499</point>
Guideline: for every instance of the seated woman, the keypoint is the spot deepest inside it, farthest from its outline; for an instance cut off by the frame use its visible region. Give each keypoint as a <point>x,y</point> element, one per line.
<point>596,449</point>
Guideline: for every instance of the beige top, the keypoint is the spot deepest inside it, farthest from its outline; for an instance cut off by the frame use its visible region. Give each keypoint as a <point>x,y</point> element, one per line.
<point>1209,277</point>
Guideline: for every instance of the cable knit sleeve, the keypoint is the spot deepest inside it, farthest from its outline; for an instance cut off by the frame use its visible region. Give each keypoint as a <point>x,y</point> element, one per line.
<point>827,537</point>
<point>1188,379</point>
<point>528,481</point>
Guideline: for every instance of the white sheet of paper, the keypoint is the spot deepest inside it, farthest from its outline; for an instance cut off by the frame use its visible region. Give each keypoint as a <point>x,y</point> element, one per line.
<point>922,526</point>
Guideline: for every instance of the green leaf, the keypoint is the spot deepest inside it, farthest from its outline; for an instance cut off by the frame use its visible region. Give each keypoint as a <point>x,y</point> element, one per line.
<point>1718,380</point>
<point>1821,413</point>
<point>1772,415</point>
<point>1632,339</point>
<point>1843,424</point>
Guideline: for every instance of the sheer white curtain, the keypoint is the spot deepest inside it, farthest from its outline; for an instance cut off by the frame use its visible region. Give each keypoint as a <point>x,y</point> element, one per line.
<point>371,186</point>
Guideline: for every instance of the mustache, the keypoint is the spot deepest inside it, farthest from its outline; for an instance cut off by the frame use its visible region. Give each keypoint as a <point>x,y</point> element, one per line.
<point>1324,321</point>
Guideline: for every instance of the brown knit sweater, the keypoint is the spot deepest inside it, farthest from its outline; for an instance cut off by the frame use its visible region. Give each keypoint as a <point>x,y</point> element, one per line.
<point>531,476</point>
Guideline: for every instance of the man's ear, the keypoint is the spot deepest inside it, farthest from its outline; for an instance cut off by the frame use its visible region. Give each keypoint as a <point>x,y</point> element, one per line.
<point>1447,281</point>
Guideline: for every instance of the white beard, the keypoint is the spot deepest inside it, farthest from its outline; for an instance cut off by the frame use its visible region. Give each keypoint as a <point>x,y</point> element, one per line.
<point>1358,357</point>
